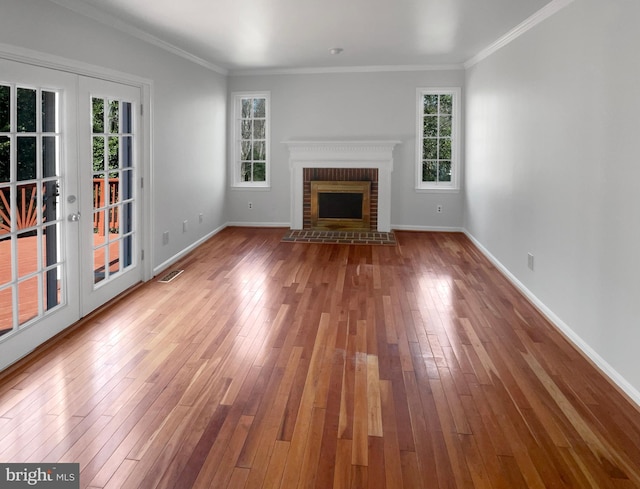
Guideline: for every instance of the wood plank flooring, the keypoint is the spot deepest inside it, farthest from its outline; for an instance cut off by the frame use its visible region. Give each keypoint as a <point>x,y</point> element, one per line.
<point>279,365</point>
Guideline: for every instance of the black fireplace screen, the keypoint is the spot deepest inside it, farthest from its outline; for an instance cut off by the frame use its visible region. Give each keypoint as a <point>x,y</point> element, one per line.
<point>339,205</point>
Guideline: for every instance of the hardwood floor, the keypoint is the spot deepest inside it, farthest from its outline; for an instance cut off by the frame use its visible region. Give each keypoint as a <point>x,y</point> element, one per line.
<point>269,364</point>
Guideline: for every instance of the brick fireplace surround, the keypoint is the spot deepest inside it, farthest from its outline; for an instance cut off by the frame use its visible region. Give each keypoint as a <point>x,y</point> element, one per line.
<point>339,175</point>
<point>341,161</point>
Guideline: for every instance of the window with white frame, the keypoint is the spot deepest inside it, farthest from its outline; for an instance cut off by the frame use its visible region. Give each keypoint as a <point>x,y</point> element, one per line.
<point>437,138</point>
<point>251,140</point>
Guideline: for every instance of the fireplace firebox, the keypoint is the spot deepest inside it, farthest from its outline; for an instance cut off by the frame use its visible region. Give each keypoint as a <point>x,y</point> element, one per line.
<point>341,205</point>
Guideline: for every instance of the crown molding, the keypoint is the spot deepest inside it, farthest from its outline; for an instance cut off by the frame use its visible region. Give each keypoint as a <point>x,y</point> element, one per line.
<point>346,69</point>
<point>111,21</point>
<point>46,60</point>
<point>541,15</point>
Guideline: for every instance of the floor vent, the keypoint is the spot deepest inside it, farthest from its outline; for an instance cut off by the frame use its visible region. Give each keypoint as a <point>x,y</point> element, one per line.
<point>170,276</point>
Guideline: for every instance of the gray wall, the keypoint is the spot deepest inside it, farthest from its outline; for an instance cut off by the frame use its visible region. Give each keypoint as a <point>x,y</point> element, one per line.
<point>347,106</point>
<point>553,121</point>
<point>189,118</point>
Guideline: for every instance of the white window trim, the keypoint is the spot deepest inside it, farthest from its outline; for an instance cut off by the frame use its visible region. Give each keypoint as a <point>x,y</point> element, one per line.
<point>456,170</point>
<point>236,183</point>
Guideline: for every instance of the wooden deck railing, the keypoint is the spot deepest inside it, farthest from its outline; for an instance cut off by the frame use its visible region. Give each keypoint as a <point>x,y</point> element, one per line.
<point>99,200</point>
<point>27,215</point>
<point>27,209</point>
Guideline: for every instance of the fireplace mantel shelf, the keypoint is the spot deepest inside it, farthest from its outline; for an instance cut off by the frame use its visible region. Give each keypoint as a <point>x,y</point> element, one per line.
<point>342,154</point>
<point>334,150</point>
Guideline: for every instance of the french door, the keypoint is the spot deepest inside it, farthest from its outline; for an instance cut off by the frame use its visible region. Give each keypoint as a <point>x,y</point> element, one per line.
<point>69,212</point>
<point>110,211</point>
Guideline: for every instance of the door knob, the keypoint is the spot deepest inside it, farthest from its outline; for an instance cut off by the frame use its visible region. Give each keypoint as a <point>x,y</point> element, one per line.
<point>74,217</point>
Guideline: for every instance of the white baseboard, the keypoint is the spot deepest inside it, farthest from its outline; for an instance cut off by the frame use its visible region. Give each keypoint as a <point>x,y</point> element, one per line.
<point>440,229</point>
<point>166,264</point>
<point>242,224</point>
<point>564,328</point>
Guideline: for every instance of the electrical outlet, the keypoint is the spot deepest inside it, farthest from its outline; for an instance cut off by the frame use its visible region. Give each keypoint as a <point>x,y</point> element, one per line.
<point>530,261</point>
<point>200,218</point>
<point>165,238</point>
<point>185,225</point>
<point>250,205</point>
<point>439,208</point>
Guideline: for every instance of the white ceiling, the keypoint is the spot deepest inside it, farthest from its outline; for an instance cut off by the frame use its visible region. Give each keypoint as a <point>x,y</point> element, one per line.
<point>241,35</point>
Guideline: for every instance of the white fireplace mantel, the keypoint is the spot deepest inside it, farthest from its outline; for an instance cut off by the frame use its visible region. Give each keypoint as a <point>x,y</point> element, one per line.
<point>342,154</point>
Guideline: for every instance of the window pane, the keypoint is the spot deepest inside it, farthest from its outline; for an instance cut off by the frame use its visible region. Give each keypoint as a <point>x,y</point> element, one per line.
<point>114,259</point>
<point>5,215</point>
<point>6,308</point>
<point>99,273</point>
<point>98,153</point>
<point>114,112</point>
<point>126,117</point>
<point>246,108</point>
<point>259,107</point>
<point>444,171</point>
<point>127,245</point>
<point>48,111</point>
<point>127,185</point>
<point>246,129</point>
<point>127,218</point>
<point>445,149</point>
<point>430,103</point>
<point>26,158</point>
<point>445,126</point>
<point>114,153</point>
<point>259,129</point>
<point>5,108</point>
<point>5,158</point>
<point>28,300</point>
<point>100,193</point>
<point>430,149</point>
<point>245,153</point>
<point>27,253</point>
<point>446,104</point>
<point>53,282</point>
<point>114,190</point>
<point>26,205</point>
<point>245,172</point>
<point>259,172</point>
<point>114,220</point>
<point>98,115</point>
<point>49,156</point>
<point>127,151</point>
<point>99,228</point>
<point>429,171</point>
<point>6,260</point>
<point>259,152</point>
<point>49,245</point>
<point>26,110</point>
<point>50,201</point>
<point>431,126</point>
